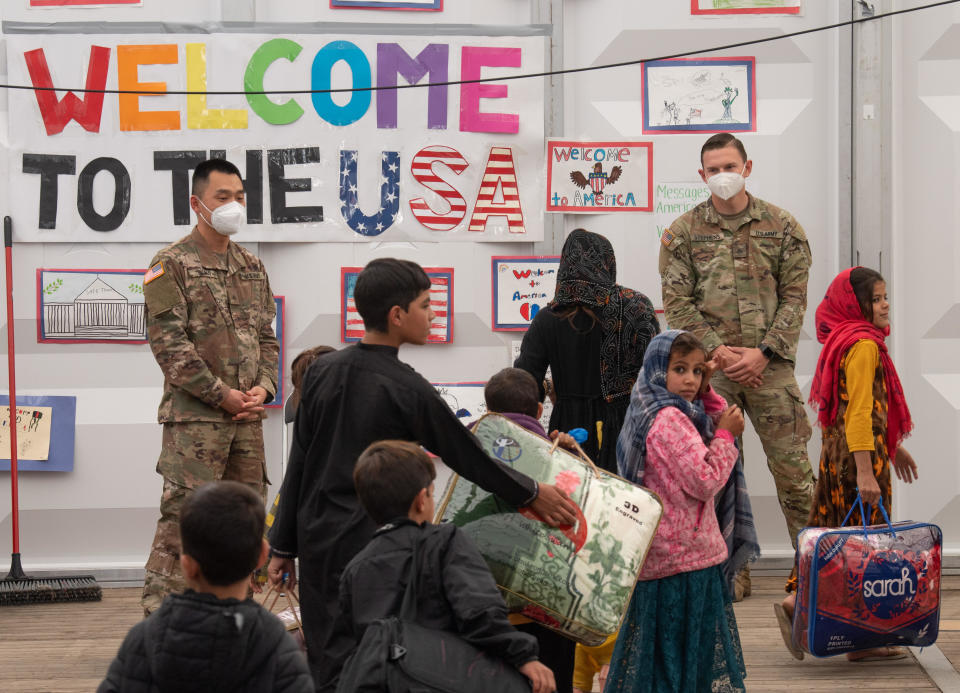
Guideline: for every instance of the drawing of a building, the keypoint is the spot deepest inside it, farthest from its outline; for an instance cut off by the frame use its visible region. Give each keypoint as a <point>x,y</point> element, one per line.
<point>98,312</point>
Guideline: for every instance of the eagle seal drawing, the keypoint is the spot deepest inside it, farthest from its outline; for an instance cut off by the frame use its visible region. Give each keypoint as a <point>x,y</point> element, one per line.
<point>597,179</point>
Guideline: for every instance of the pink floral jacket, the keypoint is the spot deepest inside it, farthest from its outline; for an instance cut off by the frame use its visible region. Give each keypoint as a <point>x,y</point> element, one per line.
<point>686,474</point>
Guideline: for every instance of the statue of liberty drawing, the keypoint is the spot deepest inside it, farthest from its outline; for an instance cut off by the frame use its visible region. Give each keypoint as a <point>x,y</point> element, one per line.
<point>729,96</point>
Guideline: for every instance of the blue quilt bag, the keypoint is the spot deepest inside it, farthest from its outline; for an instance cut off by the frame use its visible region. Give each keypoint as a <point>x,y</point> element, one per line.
<point>869,586</point>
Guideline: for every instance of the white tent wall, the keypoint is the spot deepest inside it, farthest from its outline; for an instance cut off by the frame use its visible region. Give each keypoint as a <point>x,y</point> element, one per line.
<point>101,515</point>
<point>925,281</point>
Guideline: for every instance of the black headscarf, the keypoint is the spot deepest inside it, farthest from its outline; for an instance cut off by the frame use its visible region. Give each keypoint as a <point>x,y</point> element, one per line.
<point>587,277</point>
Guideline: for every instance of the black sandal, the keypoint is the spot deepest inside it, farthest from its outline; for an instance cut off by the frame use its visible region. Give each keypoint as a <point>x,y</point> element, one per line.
<point>786,631</point>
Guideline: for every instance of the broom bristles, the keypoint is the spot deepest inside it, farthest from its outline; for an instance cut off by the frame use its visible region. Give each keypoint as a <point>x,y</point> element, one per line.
<point>71,588</point>
<point>19,588</point>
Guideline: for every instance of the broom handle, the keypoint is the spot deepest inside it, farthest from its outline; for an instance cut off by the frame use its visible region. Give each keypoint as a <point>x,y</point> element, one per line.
<point>8,251</point>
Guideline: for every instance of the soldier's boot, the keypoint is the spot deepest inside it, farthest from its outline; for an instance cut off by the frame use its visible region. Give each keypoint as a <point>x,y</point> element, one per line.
<point>742,587</point>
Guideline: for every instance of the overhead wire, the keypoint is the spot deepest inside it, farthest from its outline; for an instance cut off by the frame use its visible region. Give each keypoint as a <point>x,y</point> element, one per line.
<point>527,75</point>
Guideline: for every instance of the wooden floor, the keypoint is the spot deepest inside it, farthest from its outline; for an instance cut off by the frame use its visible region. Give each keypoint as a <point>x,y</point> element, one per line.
<point>770,667</point>
<point>67,647</point>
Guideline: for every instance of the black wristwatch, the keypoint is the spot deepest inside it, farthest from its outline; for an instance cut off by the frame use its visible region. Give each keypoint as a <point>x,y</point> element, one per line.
<point>767,351</point>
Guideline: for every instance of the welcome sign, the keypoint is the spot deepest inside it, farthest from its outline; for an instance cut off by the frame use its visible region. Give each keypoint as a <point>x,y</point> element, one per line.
<point>599,176</point>
<point>522,285</point>
<point>347,152</point>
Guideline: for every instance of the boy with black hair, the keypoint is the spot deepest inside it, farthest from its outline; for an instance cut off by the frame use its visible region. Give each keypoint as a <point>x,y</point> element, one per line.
<point>212,637</point>
<point>355,397</point>
<point>455,591</point>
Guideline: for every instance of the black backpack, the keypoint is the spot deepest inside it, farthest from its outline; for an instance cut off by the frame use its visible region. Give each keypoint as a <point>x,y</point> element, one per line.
<point>397,655</point>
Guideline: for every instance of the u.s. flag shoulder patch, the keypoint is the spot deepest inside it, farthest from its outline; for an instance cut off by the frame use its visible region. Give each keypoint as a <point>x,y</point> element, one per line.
<point>153,273</point>
<point>667,237</point>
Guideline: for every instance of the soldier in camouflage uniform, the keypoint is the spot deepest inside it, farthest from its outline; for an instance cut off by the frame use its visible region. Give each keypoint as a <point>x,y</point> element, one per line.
<point>734,272</point>
<point>210,316</point>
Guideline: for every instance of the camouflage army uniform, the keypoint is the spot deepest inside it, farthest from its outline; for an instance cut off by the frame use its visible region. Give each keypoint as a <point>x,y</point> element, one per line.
<point>210,325</point>
<point>742,281</point>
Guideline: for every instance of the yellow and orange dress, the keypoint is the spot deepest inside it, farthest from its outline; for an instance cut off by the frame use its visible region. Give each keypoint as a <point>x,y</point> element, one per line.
<point>861,424</point>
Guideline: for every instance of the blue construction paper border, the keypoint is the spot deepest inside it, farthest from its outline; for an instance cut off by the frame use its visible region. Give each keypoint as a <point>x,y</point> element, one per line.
<point>62,433</point>
<point>751,126</point>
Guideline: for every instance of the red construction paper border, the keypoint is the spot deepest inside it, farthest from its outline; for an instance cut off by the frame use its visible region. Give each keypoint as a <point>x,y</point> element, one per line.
<point>343,303</point>
<point>55,340</point>
<point>551,144</point>
<point>695,10</point>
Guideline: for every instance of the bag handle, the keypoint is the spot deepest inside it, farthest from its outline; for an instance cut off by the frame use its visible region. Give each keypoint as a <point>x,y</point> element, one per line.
<point>863,514</point>
<point>858,502</point>
<point>580,452</point>
<point>886,518</point>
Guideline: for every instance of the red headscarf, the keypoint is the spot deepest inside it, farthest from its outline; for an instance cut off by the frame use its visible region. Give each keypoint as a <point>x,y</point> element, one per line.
<point>840,325</point>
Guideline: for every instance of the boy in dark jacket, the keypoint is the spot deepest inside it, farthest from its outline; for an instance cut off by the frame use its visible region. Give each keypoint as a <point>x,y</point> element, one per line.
<point>212,637</point>
<point>455,591</point>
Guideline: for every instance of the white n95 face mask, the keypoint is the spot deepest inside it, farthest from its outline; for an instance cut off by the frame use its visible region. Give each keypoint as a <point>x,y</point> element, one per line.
<point>725,185</point>
<point>227,219</point>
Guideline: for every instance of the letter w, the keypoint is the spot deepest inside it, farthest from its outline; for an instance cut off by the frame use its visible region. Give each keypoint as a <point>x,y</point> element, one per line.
<point>56,114</point>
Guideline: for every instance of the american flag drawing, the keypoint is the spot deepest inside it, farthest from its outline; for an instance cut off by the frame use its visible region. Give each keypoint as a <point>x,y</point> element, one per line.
<point>441,300</point>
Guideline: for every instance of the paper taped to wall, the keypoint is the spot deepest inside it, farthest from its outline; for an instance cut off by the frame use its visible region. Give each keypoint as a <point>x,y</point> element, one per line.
<point>33,432</point>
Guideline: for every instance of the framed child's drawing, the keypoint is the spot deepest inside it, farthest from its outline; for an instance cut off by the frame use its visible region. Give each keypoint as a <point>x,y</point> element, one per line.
<point>434,5</point>
<point>522,285</point>
<point>441,300</point>
<point>699,95</point>
<point>91,305</point>
<point>464,399</point>
<point>599,177</point>
<point>745,7</point>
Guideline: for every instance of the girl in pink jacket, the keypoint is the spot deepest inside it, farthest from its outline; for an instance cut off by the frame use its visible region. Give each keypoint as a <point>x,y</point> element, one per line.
<point>680,633</point>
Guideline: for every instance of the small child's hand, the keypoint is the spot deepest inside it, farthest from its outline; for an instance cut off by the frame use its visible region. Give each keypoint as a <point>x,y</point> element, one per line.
<point>709,368</point>
<point>541,678</point>
<point>732,420</point>
<point>567,441</point>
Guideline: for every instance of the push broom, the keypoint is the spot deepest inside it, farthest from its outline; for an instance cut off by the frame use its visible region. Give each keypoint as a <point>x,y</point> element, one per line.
<point>18,588</point>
